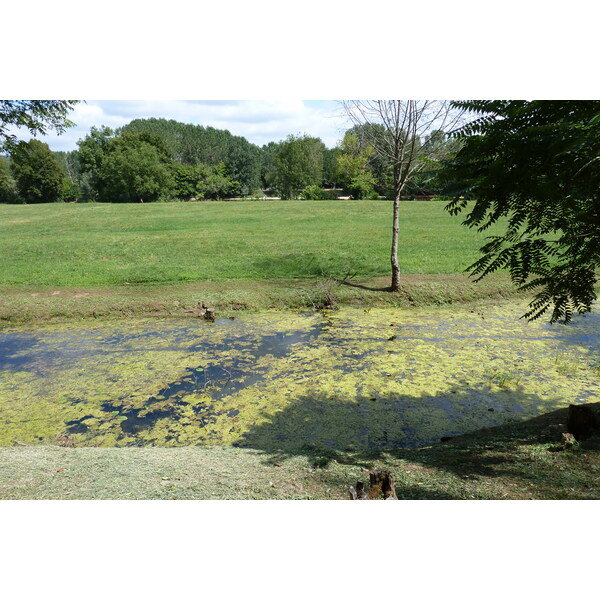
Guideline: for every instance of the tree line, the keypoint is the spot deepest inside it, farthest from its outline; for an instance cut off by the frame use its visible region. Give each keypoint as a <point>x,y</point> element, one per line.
<point>151,160</point>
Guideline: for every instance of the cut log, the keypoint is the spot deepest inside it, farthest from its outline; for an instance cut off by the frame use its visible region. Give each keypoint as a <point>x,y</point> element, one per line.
<point>382,484</point>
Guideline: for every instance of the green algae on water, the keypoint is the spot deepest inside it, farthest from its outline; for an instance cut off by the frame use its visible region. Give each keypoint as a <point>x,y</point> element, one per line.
<point>348,379</point>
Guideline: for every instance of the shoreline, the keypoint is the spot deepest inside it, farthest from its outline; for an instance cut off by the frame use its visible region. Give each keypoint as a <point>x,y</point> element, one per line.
<point>518,461</point>
<point>25,304</point>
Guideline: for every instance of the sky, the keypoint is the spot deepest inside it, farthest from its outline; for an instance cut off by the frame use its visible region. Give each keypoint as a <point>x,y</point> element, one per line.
<point>259,121</point>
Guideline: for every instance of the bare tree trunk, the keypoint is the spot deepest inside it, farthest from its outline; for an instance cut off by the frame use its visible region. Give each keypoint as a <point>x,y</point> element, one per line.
<point>394,256</point>
<point>406,144</point>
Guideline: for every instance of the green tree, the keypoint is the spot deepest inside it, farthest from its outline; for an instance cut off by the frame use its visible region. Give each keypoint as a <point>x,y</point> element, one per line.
<point>197,145</point>
<point>202,182</point>
<point>330,167</point>
<point>8,189</point>
<point>372,134</point>
<point>170,131</point>
<point>131,167</point>
<point>535,167</point>
<point>267,168</point>
<point>298,163</point>
<point>37,174</point>
<point>313,192</point>
<point>69,163</point>
<point>243,165</point>
<point>187,180</point>
<point>134,168</point>
<point>90,154</point>
<point>37,116</point>
<point>353,168</point>
<point>218,184</point>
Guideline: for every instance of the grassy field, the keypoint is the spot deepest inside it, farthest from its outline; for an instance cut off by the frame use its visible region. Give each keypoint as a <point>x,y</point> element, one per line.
<point>68,245</point>
<point>94,260</point>
<point>518,461</point>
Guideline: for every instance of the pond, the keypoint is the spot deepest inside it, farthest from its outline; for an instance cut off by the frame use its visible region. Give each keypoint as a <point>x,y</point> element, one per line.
<point>350,379</point>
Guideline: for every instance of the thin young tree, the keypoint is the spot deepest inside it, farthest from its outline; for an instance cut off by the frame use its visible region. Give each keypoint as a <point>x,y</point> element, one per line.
<point>405,143</point>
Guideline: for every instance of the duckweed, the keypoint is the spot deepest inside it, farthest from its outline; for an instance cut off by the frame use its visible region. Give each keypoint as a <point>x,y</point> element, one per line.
<point>348,379</point>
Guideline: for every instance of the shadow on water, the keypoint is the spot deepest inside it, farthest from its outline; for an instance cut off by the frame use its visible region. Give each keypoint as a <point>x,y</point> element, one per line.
<point>15,351</point>
<point>583,330</point>
<point>375,424</point>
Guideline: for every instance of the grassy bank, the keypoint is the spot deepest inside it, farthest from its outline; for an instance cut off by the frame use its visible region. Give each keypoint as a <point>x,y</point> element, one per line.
<point>20,304</point>
<point>519,461</point>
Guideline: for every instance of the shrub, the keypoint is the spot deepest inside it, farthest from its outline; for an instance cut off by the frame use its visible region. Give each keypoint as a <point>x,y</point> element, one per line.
<point>362,188</point>
<point>313,192</point>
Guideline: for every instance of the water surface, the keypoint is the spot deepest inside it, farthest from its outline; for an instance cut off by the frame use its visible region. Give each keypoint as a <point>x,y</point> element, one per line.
<point>349,379</point>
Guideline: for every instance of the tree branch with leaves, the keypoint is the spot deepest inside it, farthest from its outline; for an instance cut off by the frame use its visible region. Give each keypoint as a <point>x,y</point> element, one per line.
<point>533,167</point>
<point>37,116</point>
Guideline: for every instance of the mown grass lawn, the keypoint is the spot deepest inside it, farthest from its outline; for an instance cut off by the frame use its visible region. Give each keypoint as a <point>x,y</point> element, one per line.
<point>64,245</point>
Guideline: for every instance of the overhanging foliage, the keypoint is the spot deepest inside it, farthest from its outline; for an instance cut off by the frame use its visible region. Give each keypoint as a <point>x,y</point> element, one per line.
<point>537,165</point>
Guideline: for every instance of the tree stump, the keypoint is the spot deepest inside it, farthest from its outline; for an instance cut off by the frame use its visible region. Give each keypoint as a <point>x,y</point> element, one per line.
<point>381,486</point>
<point>582,421</point>
<point>203,311</point>
<point>358,492</point>
<point>568,441</point>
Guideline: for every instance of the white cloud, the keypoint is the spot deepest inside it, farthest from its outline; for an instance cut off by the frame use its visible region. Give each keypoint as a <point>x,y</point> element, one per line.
<point>258,121</point>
